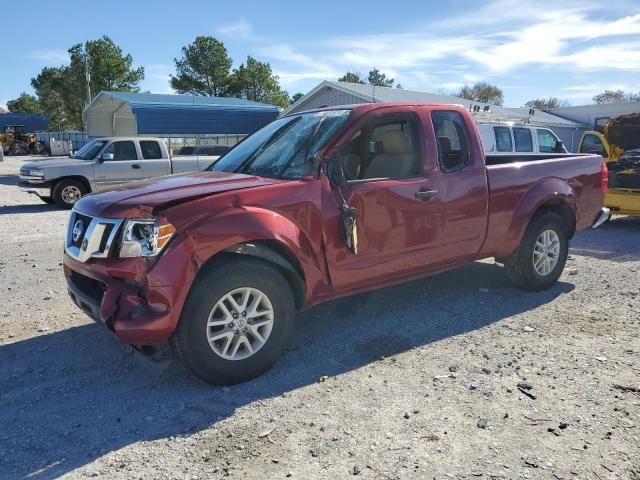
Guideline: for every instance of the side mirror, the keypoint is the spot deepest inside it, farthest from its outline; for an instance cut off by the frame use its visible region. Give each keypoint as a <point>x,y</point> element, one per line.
<point>107,156</point>
<point>559,148</point>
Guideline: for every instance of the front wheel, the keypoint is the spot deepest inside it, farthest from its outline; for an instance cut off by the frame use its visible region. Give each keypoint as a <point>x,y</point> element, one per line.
<point>236,322</point>
<point>67,192</point>
<point>539,260</point>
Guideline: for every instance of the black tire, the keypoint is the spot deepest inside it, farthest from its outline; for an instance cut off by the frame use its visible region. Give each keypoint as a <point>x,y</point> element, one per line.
<point>520,265</point>
<point>59,192</point>
<point>190,342</point>
<point>48,200</point>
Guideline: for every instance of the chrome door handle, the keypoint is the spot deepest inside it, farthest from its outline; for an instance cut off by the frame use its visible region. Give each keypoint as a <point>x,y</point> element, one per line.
<point>426,194</point>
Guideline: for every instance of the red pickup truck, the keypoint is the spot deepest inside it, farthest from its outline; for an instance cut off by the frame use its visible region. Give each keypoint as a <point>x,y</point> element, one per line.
<point>314,206</point>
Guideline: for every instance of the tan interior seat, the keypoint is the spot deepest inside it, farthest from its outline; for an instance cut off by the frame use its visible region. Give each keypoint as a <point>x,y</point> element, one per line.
<point>397,159</point>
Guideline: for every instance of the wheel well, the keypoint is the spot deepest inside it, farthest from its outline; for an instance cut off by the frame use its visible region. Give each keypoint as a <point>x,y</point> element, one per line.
<point>276,254</point>
<point>563,210</point>
<point>78,178</point>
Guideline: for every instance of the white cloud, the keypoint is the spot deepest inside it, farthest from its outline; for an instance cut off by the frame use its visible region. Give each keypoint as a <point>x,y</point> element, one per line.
<point>239,29</point>
<point>50,56</point>
<point>156,78</point>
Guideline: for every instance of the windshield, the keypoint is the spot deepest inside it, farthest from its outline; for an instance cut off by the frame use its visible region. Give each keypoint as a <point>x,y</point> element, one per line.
<point>90,150</point>
<point>282,148</point>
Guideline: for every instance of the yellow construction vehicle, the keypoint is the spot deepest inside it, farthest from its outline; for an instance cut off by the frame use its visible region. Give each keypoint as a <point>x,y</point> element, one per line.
<point>619,145</point>
<point>16,141</point>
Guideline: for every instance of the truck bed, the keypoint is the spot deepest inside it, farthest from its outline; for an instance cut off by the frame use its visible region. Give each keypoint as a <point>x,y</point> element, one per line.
<point>515,185</point>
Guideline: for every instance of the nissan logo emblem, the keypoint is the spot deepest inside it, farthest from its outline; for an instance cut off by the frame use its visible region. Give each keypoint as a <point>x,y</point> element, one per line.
<point>76,233</point>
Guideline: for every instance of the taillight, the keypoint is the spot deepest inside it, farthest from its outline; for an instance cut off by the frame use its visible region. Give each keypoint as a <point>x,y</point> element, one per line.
<point>604,177</point>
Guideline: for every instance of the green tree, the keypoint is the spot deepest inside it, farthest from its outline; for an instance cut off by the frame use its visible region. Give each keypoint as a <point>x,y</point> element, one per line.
<point>25,103</point>
<point>62,91</point>
<point>547,103</point>
<point>379,79</point>
<point>50,87</point>
<point>482,92</point>
<point>254,80</point>
<point>297,97</point>
<point>616,96</point>
<point>352,77</point>
<point>203,68</point>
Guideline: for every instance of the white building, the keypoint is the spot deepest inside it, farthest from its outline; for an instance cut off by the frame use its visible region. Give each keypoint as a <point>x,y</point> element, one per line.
<point>596,115</point>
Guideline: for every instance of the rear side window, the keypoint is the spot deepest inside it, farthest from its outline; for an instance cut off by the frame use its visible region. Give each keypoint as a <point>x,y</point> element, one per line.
<point>503,139</point>
<point>123,150</point>
<point>547,141</point>
<point>453,146</point>
<point>150,150</point>
<point>523,140</point>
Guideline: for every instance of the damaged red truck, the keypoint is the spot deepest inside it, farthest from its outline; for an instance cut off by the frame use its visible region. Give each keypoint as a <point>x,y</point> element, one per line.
<point>314,206</point>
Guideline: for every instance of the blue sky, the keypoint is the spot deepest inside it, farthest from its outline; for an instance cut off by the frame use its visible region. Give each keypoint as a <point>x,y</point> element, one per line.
<point>530,49</point>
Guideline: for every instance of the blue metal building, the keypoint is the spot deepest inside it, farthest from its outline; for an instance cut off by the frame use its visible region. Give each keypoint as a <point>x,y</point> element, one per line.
<point>33,122</point>
<point>172,116</point>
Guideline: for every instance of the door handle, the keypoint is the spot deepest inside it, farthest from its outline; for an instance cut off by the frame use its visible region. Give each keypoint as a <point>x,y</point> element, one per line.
<point>136,166</point>
<point>425,195</point>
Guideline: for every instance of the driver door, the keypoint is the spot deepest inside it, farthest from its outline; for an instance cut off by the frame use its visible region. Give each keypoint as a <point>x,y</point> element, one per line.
<point>385,182</point>
<point>123,167</point>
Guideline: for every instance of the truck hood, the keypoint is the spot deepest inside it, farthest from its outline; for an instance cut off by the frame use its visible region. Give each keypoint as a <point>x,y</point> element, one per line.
<point>55,162</point>
<point>140,199</point>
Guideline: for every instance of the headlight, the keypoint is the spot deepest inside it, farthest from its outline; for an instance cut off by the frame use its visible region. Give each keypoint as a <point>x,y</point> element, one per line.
<point>145,238</point>
<point>31,172</point>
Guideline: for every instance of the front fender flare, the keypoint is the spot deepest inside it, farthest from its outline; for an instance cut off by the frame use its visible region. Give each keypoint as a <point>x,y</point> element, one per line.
<point>240,225</point>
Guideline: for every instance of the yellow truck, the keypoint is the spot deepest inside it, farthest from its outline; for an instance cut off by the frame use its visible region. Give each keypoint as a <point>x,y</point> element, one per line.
<point>619,145</point>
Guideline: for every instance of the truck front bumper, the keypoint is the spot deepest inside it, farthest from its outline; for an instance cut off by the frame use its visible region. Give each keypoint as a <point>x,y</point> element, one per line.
<point>602,217</point>
<point>120,298</point>
<point>40,189</point>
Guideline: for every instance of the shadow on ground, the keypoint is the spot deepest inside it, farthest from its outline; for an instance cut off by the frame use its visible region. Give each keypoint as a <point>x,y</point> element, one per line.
<point>8,180</point>
<point>27,208</point>
<point>597,242</point>
<point>70,397</point>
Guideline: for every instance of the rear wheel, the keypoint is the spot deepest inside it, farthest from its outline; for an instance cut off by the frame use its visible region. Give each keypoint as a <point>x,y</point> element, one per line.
<point>539,260</point>
<point>67,192</point>
<point>236,322</point>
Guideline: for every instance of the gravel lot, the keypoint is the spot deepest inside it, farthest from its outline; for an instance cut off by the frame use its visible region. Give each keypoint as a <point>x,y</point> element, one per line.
<point>415,381</point>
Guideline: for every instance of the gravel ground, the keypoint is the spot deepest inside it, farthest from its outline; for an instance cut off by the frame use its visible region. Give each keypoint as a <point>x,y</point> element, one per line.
<point>455,376</point>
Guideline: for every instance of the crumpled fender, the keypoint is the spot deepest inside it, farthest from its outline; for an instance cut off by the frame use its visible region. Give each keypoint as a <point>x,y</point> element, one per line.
<point>548,190</point>
<point>241,224</point>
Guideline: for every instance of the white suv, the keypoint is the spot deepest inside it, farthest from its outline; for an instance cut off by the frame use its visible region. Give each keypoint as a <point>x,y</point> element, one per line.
<point>507,139</point>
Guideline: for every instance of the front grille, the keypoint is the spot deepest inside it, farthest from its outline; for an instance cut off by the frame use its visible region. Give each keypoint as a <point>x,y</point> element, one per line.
<point>90,237</point>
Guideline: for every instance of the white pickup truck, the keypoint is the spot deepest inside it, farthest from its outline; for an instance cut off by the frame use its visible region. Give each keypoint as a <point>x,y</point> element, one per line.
<point>104,163</point>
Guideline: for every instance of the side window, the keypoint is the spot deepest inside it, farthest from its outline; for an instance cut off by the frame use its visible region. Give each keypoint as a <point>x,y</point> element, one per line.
<point>503,139</point>
<point>453,147</point>
<point>123,150</point>
<point>593,144</point>
<point>546,141</point>
<point>523,140</point>
<point>388,149</point>
<point>150,150</point>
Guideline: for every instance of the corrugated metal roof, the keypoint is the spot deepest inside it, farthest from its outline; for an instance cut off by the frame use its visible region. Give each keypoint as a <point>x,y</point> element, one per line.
<point>158,114</point>
<point>160,100</point>
<point>387,94</point>
<point>33,122</point>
